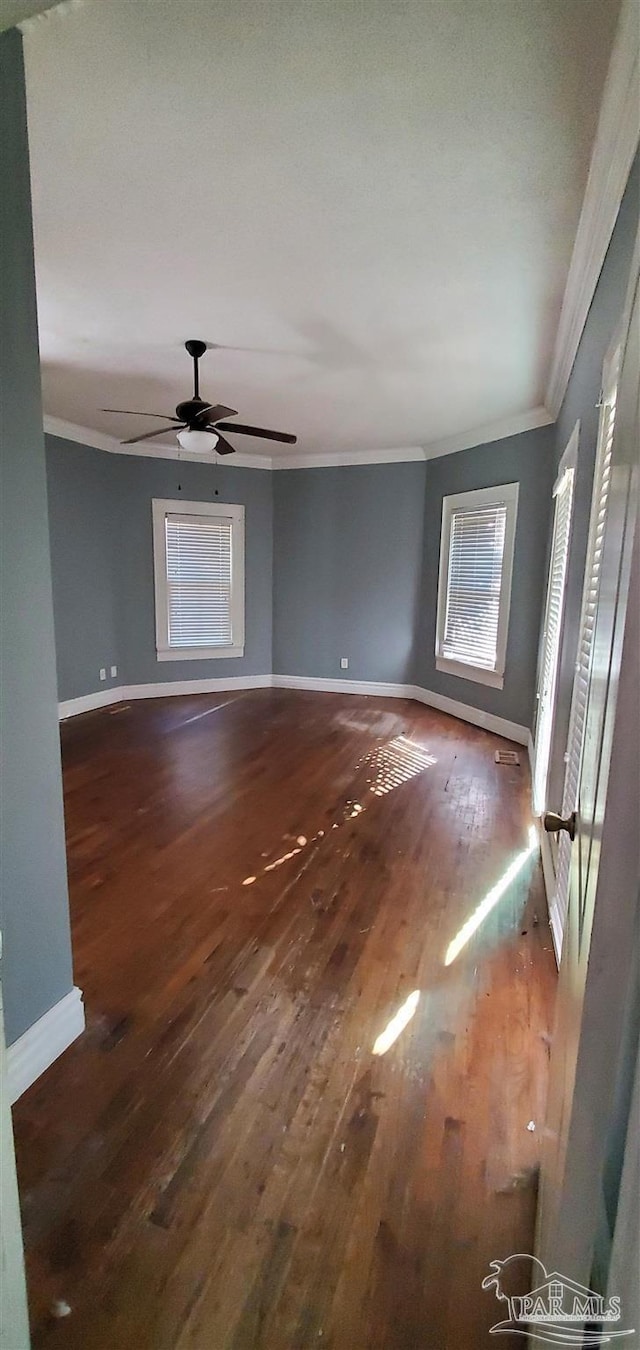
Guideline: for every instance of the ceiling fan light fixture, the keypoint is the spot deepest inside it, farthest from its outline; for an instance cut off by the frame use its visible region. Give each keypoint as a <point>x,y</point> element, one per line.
<point>197,442</point>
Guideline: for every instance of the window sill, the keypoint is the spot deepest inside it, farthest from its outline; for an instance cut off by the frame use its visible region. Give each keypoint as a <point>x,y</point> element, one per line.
<point>465,672</point>
<point>197,653</point>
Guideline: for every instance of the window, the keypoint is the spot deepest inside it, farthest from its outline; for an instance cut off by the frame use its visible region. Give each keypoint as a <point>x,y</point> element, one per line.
<point>198,551</point>
<point>553,620</point>
<point>474,591</point>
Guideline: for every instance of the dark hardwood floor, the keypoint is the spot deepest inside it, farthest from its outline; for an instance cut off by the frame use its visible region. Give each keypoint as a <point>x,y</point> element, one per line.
<point>234,1155</point>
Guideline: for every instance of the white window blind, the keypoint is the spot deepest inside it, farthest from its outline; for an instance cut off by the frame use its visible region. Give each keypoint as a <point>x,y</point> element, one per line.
<point>582,677</point>
<point>476,557</point>
<point>476,550</point>
<point>199,581</point>
<point>552,632</point>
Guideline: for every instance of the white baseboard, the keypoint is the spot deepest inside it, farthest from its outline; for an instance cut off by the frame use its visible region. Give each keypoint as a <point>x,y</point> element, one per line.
<point>87,702</point>
<point>124,693</point>
<point>511,731</point>
<point>42,1043</point>
<point>167,688</point>
<point>501,726</point>
<point>378,688</point>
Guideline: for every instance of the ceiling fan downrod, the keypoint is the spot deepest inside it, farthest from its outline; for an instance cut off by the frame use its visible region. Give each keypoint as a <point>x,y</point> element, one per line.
<point>196,349</point>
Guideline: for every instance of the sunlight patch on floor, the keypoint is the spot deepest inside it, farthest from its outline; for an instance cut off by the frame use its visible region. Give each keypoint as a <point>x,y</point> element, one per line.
<point>271,867</point>
<point>390,765</point>
<point>395,763</point>
<point>491,899</point>
<point>396,1026</point>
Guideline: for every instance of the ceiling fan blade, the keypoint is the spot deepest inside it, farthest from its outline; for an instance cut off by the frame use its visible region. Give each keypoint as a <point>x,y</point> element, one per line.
<point>148,435</point>
<point>258,431</point>
<point>130,413</point>
<point>223,447</point>
<point>214,411</point>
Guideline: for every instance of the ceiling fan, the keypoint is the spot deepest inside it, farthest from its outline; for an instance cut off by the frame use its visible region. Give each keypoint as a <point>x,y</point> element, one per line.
<point>199,424</point>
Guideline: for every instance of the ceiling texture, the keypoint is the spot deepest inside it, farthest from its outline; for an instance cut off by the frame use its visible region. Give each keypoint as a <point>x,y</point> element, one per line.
<point>367,208</point>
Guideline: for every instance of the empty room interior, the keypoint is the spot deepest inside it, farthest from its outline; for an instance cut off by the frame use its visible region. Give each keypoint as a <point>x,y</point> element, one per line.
<point>319,674</point>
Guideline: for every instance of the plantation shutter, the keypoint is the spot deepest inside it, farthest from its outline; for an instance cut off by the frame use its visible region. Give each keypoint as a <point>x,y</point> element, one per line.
<point>599,505</point>
<point>199,581</point>
<point>552,633</point>
<point>474,578</point>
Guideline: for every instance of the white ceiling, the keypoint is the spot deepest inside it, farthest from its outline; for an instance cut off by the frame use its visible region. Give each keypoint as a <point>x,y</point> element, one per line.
<point>370,207</point>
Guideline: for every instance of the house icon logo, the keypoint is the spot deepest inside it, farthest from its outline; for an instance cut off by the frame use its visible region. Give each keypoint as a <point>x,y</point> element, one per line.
<point>557,1310</point>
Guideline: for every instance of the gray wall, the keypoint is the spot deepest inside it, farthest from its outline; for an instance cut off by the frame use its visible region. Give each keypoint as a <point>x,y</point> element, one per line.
<point>580,402</point>
<point>102,556</point>
<point>138,481</point>
<point>36,966</point>
<point>348,546</point>
<point>84,548</point>
<point>356,557</point>
<point>528,460</point>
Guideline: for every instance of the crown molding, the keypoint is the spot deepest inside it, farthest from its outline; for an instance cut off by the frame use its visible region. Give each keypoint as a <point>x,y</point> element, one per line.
<point>491,431</point>
<point>484,435</point>
<point>69,431</point>
<point>341,458</point>
<point>615,145</point>
<point>494,431</point>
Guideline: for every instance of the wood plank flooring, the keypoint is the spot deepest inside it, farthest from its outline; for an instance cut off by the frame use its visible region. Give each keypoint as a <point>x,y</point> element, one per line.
<point>260,884</point>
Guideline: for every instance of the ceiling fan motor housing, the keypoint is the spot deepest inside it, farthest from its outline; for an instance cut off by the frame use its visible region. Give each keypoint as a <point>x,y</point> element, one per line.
<point>190,410</point>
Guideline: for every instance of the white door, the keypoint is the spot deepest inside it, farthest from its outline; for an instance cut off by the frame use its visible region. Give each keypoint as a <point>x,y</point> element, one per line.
<point>14,1326</point>
<point>602,863</point>
<point>553,619</point>
<point>584,665</point>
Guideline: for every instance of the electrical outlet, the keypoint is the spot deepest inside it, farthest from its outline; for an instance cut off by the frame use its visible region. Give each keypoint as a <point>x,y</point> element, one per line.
<point>114,672</point>
<point>344,662</point>
<point>103,673</point>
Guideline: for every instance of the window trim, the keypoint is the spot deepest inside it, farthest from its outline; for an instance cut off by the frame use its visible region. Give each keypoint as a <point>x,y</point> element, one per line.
<point>161,508</point>
<point>504,494</point>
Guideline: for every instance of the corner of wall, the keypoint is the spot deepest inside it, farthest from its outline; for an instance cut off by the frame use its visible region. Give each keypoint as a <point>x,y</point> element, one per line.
<point>35,911</point>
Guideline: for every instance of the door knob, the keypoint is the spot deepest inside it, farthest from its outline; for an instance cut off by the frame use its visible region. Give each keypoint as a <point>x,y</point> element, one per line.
<point>553,824</point>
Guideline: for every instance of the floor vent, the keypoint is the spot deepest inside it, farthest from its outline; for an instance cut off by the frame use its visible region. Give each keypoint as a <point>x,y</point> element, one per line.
<point>507,757</point>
